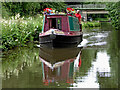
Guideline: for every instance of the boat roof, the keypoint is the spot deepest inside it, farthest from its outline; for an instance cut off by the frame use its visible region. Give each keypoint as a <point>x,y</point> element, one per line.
<point>57,15</point>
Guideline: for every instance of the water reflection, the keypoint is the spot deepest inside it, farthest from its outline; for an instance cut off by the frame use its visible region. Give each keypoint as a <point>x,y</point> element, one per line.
<point>59,65</point>
<point>99,69</point>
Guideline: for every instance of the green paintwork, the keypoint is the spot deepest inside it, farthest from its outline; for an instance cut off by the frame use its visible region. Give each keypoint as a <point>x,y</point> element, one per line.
<point>74,25</point>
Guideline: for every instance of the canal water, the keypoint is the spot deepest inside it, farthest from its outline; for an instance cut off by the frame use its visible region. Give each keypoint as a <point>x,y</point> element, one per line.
<point>93,64</point>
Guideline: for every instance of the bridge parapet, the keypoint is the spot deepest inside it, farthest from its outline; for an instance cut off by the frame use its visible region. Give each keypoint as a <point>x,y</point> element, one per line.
<point>88,6</point>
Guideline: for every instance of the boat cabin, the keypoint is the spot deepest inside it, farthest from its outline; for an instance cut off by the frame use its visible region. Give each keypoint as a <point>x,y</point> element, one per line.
<point>66,23</point>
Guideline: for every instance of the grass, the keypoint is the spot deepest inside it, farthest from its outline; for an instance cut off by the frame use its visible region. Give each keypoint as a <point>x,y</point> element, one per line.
<point>18,31</point>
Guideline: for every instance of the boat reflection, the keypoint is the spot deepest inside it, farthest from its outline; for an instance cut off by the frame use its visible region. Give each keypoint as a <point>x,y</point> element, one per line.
<point>59,65</point>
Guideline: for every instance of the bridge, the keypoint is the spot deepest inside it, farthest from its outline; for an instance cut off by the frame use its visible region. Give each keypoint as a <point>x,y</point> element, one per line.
<point>90,9</point>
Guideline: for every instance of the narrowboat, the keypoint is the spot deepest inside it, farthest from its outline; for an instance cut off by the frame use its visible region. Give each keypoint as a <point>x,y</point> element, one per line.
<point>60,30</point>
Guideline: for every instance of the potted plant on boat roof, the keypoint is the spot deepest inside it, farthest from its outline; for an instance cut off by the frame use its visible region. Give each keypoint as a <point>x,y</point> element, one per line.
<point>48,11</point>
<point>70,11</point>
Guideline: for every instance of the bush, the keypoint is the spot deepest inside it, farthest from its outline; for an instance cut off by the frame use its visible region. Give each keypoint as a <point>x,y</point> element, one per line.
<point>90,24</point>
<point>17,31</point>
<point>5,13</point>
<point>114,9</point>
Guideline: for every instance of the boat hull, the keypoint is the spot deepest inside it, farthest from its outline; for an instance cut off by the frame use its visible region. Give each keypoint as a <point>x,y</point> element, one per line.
<point>53,40</point>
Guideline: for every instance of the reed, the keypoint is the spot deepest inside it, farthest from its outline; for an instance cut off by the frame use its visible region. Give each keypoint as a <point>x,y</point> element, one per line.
<point>18,31</point>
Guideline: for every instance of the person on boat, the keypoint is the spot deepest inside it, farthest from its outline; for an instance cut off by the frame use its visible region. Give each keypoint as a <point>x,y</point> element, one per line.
<point>78,15</point>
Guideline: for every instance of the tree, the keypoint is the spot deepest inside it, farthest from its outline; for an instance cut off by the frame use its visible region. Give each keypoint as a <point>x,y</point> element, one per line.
<point>113,8</point>
<point>31,8</point>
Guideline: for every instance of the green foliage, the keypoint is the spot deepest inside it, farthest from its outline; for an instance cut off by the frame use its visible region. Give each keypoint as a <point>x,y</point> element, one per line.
<point>90,24</point>
<point>13,7</point>
<point>99,17</point>
<point>31,8</point>
<point>19,31</point>
<point>5,12</point>
<point>113,8</point>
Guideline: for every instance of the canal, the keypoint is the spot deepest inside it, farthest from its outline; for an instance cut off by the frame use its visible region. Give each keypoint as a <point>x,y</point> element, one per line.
<point>93,64</point>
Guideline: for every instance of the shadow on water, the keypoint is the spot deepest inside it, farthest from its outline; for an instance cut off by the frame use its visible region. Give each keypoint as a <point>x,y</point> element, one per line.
<point>93,64</point>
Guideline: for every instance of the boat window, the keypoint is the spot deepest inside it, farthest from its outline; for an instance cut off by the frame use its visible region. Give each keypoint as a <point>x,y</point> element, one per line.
<point>74,24</point>
<point>56,23</point>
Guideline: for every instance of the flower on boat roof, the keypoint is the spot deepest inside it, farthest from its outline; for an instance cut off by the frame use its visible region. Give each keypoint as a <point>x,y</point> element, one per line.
<point>48,11</point>
<point>70,9</point>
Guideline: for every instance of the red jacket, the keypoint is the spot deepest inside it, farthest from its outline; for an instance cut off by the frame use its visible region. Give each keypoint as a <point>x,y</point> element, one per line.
<point>78,16</point>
